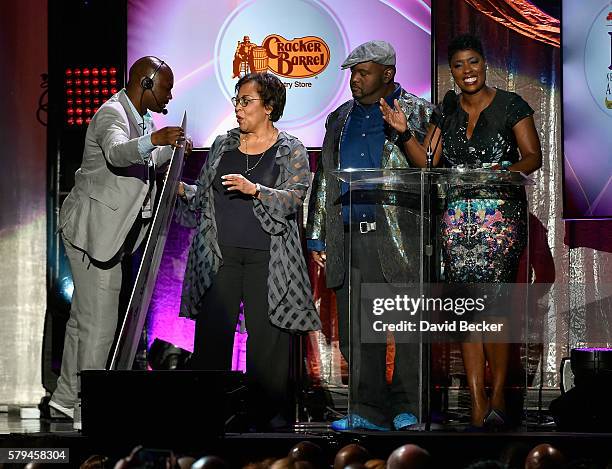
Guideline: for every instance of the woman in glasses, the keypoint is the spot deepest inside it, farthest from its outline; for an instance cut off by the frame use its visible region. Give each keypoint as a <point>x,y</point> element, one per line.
<point>244,206</point>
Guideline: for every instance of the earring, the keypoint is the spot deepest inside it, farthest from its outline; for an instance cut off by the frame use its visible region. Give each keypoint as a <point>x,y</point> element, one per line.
<point>269,117</point>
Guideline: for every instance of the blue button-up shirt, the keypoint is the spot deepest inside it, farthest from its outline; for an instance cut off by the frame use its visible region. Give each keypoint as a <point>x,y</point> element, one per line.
<point>361,147</point>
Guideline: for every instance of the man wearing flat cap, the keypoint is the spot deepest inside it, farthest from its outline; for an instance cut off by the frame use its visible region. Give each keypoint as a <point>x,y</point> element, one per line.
<point>385,243</point>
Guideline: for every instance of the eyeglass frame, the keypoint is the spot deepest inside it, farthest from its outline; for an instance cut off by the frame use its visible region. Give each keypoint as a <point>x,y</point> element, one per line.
<point>236,101</point>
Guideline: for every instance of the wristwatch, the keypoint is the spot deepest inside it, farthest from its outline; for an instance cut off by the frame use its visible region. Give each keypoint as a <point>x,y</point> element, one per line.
<point>257,190</point>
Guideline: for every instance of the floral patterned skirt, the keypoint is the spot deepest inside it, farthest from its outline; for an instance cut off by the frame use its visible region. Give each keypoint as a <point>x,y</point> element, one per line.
<point>484,233</point>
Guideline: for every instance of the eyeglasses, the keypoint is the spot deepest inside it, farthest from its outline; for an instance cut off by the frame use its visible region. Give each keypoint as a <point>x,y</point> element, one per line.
<point>244,101</point>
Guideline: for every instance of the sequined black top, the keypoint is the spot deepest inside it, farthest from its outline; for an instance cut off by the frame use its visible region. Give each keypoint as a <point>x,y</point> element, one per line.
<point>492,141</point>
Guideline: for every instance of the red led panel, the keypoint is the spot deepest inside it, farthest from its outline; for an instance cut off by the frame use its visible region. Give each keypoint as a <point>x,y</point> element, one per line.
<point>86,88</point>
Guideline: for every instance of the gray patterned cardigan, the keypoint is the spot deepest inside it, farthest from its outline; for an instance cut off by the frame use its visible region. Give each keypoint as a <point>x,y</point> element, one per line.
<point>290,299</point>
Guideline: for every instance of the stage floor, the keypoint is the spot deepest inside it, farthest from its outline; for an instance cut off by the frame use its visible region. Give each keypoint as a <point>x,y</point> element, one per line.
<point>450,449</point>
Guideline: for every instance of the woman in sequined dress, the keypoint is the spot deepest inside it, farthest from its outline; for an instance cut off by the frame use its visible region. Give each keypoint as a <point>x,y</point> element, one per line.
<point>484,227</point>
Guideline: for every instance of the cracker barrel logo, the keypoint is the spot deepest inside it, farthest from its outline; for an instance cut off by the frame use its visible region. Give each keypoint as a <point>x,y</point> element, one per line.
<point>302,57</point>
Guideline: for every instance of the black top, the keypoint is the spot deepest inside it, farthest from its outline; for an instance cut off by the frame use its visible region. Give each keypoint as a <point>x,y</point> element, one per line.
<point>237,225</point>
<point>492,141</point>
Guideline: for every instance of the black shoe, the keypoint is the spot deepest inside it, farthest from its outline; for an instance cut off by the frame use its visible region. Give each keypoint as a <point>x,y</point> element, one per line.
<point>495,420</point>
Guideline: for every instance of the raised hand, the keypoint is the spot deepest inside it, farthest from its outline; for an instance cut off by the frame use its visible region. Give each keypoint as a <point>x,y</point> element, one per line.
<point>394,117</point>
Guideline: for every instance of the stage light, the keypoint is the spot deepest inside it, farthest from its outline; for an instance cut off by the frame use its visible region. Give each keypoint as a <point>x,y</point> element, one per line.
<point>591,364</point>
<point>586,406</point>
<point>166,356</point>
<point>88,120</point>
<point>79,121</point>
<point>88,82</point>
<point>70,121</point>
<point>67,288</point>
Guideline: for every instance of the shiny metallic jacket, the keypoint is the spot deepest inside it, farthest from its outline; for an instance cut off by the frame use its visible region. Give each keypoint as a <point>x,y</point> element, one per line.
<point>397,218</point>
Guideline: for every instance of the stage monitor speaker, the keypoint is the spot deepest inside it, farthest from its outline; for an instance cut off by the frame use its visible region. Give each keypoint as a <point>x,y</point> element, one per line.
<point>159,407</point>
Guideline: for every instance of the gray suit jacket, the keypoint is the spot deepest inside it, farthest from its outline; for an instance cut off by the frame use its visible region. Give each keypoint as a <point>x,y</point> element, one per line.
<point>111,184</point>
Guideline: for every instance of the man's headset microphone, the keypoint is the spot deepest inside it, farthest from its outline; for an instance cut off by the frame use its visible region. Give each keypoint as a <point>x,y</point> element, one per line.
<point>147,84</point>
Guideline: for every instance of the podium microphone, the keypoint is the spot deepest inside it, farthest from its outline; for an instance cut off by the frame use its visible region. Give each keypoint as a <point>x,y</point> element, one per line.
<point>449,105</point>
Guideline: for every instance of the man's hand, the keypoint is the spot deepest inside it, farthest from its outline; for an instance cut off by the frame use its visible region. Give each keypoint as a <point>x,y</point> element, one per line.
<point>394,117</point>
<point>319,257</point>
<point>174,136</point>
<point>188,145</point>
<point>181,189</point>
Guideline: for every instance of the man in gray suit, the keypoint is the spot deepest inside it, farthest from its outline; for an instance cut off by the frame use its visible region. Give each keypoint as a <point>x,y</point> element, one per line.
<point>107,214</point>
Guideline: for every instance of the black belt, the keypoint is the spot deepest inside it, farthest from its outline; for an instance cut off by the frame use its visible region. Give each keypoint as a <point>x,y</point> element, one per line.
<point>361,227</point>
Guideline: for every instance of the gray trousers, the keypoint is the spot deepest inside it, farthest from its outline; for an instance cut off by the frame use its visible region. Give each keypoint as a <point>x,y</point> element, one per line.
<point>93,319</point>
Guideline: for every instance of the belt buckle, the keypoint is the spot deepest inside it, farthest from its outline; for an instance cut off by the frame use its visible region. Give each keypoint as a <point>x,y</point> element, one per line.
<point>366,227</point>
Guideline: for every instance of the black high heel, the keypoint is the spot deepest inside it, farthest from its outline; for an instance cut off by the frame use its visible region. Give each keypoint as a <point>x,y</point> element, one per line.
<point>495,420</point>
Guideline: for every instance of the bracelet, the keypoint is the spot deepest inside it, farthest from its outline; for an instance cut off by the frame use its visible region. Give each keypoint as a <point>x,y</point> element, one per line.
<point>404,136</point>
<point>257,190</point>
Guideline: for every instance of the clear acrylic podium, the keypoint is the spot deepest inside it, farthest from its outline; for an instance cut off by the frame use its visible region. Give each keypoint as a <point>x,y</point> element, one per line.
<point>392,253</point>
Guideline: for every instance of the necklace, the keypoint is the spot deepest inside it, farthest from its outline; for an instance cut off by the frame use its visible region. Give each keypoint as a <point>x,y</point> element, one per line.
<point>246,156</point>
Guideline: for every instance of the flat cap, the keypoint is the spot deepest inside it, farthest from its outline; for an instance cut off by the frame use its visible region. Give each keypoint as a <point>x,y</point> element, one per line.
<point>380,52</point>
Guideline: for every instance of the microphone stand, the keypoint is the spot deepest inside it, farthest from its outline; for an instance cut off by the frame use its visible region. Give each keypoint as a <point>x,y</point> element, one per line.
<point>426,279</point>
<point>428,268</point>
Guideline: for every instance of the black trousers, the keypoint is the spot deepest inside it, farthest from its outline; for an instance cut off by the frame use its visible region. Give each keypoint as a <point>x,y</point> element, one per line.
<point>370,395</point>
<point>243,277</point>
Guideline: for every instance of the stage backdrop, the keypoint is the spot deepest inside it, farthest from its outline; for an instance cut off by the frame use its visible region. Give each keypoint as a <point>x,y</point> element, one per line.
<point>200,41</point>
<point>209,45</point>
<point>587,108</point>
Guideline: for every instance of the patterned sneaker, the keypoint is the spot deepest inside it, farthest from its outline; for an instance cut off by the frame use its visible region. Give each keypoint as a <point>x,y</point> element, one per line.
<point>404,420</point>
<point>59,411</point>
<point>356,422</point>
